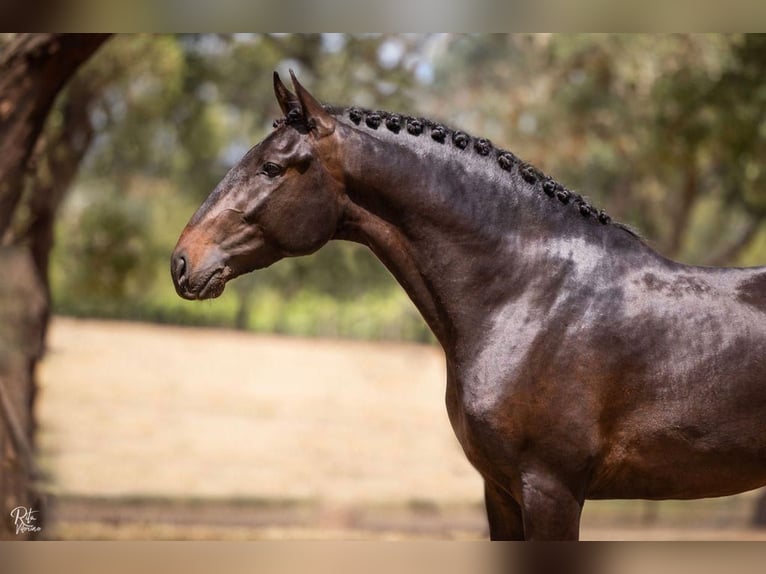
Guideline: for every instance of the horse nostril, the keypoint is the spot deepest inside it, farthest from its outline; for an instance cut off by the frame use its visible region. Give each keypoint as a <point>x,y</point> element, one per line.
<point>179,270</point>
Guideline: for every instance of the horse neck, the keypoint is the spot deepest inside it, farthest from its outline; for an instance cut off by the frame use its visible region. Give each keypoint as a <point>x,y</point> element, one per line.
<point>458,240</point>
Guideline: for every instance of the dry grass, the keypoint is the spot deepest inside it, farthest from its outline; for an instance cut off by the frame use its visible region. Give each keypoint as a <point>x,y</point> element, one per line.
<point>156,432</point>
<point>133,409</point>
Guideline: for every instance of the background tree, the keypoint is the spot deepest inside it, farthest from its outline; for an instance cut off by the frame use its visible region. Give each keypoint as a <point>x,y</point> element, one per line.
<point>33,69</point>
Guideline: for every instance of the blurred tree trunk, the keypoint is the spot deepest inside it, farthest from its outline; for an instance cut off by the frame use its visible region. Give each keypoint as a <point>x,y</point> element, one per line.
<point>687,201</point>
<point>33,70</point>
<point>729,254</point>
<point>759,514</point>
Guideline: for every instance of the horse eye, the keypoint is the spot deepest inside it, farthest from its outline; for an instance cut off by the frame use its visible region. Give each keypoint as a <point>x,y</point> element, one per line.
<point>272,169</point>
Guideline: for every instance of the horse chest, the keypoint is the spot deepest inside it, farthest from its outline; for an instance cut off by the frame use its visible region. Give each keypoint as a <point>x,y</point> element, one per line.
<point>509,413</point>
<point>487,425</point>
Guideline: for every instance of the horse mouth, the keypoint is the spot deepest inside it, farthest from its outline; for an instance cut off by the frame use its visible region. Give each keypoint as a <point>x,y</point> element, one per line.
<point>214,285</point>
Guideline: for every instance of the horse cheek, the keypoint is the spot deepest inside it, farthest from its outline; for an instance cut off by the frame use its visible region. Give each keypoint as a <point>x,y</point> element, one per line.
<point>304,224</point>
<point>319,225</point>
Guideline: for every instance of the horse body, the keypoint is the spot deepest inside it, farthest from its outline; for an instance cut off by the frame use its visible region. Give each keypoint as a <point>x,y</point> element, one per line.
<point>581,364</point>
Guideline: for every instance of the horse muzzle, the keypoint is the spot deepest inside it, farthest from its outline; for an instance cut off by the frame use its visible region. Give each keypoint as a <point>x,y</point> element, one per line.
<point>206,280</point>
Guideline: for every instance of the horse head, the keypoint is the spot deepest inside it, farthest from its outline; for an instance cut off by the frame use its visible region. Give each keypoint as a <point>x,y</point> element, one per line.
<point>283,199</point>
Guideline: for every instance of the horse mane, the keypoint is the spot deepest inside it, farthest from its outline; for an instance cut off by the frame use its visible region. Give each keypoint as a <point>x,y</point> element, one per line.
<point>443,134</point>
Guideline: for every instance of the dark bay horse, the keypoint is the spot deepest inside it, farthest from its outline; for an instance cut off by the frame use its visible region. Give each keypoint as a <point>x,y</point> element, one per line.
<point>581,364</point>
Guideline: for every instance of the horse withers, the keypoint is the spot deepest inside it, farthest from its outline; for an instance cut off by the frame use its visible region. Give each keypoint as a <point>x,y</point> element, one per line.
<point>580,363</point>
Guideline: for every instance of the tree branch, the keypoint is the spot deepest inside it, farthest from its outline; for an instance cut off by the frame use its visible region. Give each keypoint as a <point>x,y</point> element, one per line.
<point>33,69</point>
<point>683,214</point>
<point>731,252</point>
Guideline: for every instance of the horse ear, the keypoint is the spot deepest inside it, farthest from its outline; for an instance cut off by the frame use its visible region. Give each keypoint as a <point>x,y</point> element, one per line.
<point>317,118</point>
<point>287,100</point>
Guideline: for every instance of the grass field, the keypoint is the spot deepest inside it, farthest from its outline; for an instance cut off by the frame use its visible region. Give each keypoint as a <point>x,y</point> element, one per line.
<point>157,432</point>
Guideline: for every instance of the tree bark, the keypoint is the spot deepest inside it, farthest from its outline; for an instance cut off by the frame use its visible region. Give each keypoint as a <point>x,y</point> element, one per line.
<point>33,70</point>
<point>56,160</point>
<point>23,310</point>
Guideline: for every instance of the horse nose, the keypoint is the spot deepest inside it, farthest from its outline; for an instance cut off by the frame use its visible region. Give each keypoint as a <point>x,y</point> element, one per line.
<point>178,270</point>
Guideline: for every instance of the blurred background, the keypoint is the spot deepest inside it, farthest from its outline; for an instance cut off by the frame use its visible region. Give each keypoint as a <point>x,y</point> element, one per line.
<point>308,400</point>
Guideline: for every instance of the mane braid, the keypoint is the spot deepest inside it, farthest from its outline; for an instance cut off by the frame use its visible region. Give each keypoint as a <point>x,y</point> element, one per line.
<point>507,161</point>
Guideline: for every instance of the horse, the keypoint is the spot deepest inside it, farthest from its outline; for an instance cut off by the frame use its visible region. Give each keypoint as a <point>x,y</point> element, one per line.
<point>581,363</point>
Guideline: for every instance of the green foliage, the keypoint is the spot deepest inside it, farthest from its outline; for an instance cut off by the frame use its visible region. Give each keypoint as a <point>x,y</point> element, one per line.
<point>104,257</point>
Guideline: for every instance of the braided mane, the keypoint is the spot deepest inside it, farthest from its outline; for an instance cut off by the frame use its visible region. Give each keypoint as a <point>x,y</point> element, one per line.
<point>442,134</point>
